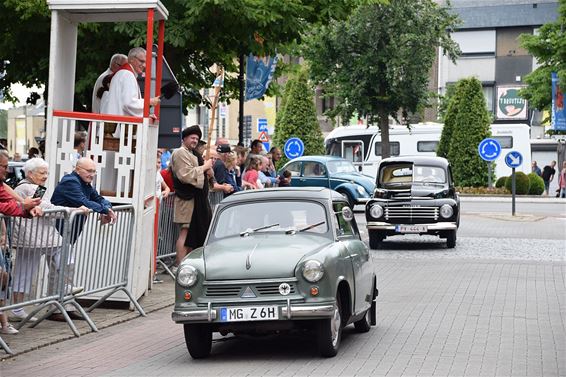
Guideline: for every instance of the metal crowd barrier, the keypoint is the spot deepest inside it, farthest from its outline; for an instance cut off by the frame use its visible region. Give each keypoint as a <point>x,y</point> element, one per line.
<point>168,231</point>
<point>167,234</point>
<point>59,254</point>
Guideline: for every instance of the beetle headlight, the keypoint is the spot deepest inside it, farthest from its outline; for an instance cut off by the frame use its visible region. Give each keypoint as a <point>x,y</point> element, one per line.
<point>361,190</point>
<point>446,211</point>
<point>313,270</point>
<point>376,211</point>
<point>187,276</point>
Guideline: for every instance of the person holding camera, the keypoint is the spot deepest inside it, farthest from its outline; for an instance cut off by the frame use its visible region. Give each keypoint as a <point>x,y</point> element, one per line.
<point>33,238</point>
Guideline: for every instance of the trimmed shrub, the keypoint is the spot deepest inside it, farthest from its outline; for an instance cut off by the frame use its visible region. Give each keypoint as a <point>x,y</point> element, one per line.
<point>500,182</point>
<point>521,183</point>
<point>299,117</point>
<point>466,124</point>
<point>536,186</point>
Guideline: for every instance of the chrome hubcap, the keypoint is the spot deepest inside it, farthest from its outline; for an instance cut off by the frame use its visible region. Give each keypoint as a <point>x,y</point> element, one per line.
<point>335,326</point>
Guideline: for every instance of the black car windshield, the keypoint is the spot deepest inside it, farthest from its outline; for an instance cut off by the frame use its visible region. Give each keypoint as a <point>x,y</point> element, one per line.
<point>274,216</point>
<point>428,174</point>
<point>341,166</point>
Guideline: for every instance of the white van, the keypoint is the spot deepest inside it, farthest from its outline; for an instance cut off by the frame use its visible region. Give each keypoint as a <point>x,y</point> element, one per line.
<point>362,145</point>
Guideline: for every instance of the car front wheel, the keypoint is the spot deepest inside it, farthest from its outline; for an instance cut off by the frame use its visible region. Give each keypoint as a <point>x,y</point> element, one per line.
<point>329,332</point>
<point>375,239</point>
<point>198,338</point>
<point>451,239</point>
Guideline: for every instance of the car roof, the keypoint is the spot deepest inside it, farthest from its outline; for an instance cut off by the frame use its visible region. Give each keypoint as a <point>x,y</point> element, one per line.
<point>319,158</point>
<point>284,193</point>
<point>420,160</point>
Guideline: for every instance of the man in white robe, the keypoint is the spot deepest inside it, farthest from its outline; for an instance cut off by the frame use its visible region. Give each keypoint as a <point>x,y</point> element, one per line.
<point>124,96</point>
<point>115,62</point>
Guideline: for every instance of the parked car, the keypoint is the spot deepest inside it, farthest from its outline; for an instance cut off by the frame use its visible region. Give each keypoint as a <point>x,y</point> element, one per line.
<point>277,260</point>
<point>333,172</point>
<point>413,194</point>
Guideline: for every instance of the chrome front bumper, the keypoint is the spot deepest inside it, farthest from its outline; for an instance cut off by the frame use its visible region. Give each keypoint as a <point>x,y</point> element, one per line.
<point>378,225</point>
<point>287,311</point>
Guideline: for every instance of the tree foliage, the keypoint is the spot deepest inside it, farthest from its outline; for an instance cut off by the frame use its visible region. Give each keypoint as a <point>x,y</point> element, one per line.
<point>299,117</point>
<point>377,63</point>
<point>198,34</point>
<point>536,184</point>
<point>466,125</point>
<point>549,48</point>
<point>522,183</point>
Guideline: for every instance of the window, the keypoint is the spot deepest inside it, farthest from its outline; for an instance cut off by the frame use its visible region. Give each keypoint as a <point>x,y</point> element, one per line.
<point>313,169</point>
<point>429,174</point>
<point>505,141</point>
<point>427,146</point>
<point>353,150</point>
<point>294,168</point>
<point>393,148</point>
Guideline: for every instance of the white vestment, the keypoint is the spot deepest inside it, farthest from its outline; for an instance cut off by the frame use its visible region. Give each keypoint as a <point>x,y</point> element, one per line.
<point>124,96</point>
<point>97,85</point>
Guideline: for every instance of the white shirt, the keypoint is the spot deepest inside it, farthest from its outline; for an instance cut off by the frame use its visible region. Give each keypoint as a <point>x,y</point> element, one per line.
<point>96,108</point>
<point>158,181</point>
<point>124,96</point>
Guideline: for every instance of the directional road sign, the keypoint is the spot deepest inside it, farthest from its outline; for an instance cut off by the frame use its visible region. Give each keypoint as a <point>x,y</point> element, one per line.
<point>294,148</point>
<point>489,149</point>
<point>513,159</point>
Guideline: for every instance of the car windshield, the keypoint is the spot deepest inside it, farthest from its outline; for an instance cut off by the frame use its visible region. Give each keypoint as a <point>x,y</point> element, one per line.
<point>245,219</point>
<point>341,166</point>
<point>428,174</point>
<point>406,173</point>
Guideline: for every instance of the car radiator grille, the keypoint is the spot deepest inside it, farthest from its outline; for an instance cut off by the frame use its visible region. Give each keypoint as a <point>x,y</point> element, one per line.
<point>262,290</point>
<point>411,213</point>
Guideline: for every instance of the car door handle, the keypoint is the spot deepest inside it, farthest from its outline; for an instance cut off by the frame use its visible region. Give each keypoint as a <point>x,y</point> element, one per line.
<point>302,179</point>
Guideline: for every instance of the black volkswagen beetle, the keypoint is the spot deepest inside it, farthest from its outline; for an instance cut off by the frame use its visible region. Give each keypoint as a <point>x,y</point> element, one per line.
<point>413,194</point>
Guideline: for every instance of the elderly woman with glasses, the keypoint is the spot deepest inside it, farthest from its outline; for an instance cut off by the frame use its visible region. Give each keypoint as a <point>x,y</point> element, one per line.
<point>35,237</point>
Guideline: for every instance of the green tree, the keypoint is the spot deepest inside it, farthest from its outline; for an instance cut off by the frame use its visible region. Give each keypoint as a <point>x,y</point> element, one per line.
<point>469,123</point>
<point>299,117</point>
<point>198,34</point>
<point>549,48</point>
<point>453,103</point>
<point>377,63</point>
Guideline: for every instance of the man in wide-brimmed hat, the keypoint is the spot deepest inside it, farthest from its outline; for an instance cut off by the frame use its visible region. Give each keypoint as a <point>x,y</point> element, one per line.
<point>191,208</point>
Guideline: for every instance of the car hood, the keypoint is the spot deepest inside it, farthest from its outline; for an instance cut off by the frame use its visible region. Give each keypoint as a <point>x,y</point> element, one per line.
<point>364,180</point>
<point>428,190</point>
<point>259,256</point>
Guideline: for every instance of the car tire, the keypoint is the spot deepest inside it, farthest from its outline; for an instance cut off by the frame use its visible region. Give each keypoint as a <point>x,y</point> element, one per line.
<point>364,324</point>
<point>375,239</point>
<point>329,332</point>
<point>198,338</point>
<point>451,239</point>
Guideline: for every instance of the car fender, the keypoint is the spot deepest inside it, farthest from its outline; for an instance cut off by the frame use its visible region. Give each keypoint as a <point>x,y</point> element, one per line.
<point>349,188</point>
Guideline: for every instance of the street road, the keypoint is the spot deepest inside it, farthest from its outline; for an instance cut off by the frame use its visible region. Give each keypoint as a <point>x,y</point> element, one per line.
<point>493,306</point>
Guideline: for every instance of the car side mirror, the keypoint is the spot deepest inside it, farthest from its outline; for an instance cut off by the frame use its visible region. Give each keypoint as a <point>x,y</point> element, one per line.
<point>347,213</point>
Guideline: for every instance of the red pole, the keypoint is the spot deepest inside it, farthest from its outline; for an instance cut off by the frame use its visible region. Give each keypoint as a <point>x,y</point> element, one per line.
<point>148,59</point>
<point>159,68</point>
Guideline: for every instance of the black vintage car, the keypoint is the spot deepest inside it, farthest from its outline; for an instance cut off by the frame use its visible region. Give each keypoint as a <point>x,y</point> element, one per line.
<point>413,194</point>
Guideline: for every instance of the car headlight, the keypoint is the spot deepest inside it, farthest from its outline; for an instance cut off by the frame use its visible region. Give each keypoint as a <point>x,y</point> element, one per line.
<point>376,211</point>
<point>187,276</point>
<point>313,270</point>
<point>361,190</point>
<point>446,211</point>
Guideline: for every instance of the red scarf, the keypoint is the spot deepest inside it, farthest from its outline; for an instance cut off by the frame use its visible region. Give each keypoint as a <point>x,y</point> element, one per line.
<point>126,67</point>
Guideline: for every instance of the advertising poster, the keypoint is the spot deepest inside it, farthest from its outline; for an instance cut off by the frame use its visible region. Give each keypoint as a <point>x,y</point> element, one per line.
<point>510,105</point>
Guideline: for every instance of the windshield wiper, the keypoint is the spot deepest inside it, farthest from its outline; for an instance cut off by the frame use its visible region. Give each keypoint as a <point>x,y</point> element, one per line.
<point>247,232</point>
<point>311,226</point>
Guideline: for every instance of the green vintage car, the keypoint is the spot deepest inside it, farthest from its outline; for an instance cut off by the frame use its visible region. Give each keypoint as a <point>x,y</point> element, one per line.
<point>276,260</point>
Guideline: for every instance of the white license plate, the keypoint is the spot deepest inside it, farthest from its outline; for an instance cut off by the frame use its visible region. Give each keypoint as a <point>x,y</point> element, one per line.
<point>249,313</point>
<point>411,228</point>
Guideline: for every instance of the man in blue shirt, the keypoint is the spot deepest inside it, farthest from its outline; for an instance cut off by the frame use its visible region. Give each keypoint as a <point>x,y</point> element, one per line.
<point>75,190</point>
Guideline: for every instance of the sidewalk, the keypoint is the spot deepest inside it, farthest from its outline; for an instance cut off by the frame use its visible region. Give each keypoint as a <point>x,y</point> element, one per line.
<point>508,198</point>
<point>51,332</point>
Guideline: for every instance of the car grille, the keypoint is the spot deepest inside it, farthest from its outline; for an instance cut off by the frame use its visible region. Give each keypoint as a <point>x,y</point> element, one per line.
<point>411,213</point>
<point>261,290</point>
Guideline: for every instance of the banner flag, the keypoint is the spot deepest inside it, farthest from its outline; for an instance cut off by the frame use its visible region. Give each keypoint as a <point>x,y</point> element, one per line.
<point>558,112</point>
<point>259,72</point>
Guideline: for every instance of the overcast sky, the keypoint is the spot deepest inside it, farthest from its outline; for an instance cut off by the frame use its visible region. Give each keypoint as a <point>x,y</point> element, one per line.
<point>21,92</point>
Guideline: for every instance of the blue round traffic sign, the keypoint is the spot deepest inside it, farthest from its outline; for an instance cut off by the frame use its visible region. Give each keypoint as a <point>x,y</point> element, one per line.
<point>294,148</point>
<point>489,149</point>
<point>513,159</point>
